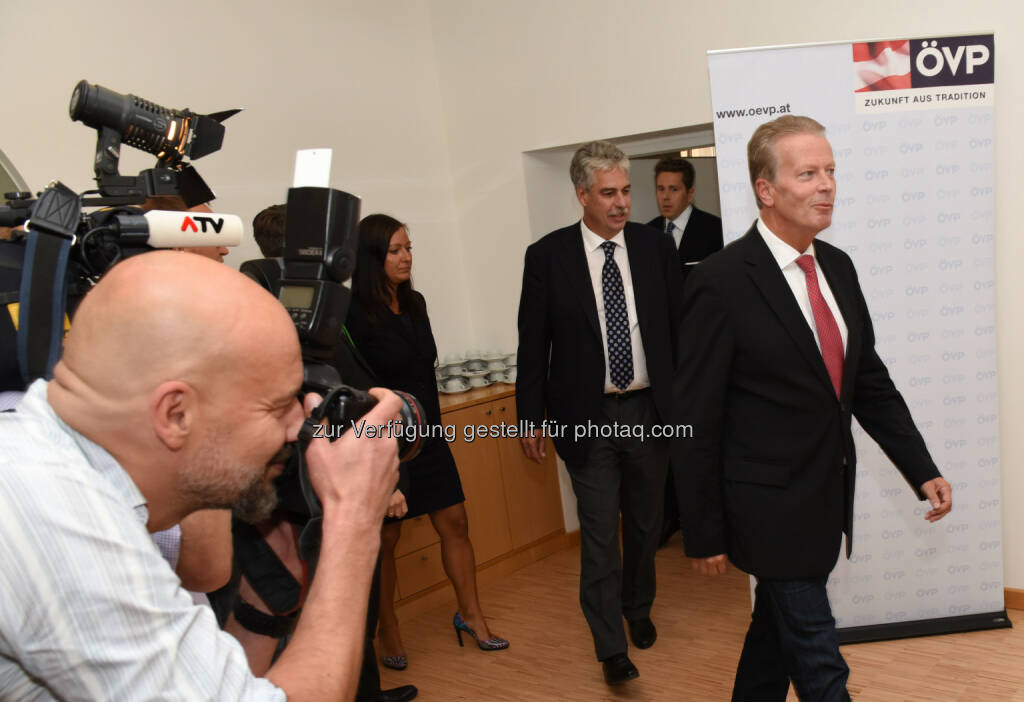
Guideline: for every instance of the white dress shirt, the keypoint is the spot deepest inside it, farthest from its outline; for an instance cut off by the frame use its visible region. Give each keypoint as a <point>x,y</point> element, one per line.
<point>681,221</point>
<point>9,399</point>
<point>786,256</point>
<point>595,262</point>
<point>89,610</point>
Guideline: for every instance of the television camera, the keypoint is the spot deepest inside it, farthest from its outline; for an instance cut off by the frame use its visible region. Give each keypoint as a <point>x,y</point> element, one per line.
<point>63,250</point>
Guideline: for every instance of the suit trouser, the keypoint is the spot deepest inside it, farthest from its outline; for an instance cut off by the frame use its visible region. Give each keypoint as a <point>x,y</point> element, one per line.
<point>670,519</point>
<point>627,475</point>
<point>792,636</point>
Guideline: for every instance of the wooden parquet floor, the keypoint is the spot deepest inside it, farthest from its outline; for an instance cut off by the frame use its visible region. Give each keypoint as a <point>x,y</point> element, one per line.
<point>701,623</point>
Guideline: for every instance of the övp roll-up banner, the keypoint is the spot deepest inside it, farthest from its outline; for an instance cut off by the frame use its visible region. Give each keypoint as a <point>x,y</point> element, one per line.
<point>911,126</point>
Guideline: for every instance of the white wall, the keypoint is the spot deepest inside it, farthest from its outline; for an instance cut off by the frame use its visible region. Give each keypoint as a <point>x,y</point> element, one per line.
<point>431,104</point>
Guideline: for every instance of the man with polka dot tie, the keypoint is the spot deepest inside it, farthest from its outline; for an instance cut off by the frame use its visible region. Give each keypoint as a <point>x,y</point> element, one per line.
<point>598,321</point>
<point>779,356</point>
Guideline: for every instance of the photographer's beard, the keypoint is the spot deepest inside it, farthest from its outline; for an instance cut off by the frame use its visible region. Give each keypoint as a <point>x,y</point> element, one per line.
<point>215,482</point>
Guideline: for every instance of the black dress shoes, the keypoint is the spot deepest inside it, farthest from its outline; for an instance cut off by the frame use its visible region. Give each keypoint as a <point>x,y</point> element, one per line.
<point>643,633</point>
<point>618,669</point>
<point>397,694</point>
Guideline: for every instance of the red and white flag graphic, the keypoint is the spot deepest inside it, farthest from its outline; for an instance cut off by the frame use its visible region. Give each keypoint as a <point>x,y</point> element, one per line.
<point>882,65</point>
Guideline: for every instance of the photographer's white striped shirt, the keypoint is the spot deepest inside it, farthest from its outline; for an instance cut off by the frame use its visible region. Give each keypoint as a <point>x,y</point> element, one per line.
<point>89,610</point>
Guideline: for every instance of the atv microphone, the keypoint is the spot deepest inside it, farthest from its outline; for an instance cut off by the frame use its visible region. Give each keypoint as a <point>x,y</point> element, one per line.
<point>164,229</point>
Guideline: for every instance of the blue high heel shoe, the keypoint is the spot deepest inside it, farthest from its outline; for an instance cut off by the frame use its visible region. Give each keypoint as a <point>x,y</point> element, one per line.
<point>495,643</point>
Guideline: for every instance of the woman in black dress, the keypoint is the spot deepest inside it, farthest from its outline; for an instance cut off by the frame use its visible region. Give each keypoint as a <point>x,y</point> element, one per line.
<point>388,324</point>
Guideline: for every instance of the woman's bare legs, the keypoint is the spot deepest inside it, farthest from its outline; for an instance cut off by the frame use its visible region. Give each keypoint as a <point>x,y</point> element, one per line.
<point>390,638</point>
<point>452,525</point>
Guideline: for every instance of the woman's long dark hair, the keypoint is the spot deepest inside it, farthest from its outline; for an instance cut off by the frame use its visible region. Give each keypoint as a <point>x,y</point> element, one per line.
<point>369,282</point>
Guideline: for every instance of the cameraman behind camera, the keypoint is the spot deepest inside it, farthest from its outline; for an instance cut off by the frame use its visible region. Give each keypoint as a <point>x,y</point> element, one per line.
<point>162,405</point>
<point>268,228</point>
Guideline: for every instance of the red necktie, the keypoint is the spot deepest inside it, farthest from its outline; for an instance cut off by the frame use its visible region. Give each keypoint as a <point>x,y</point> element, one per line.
<point>828,331</point>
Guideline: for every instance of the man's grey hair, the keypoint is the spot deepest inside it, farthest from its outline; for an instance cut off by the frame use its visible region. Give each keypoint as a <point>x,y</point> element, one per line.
<point>595,156</point>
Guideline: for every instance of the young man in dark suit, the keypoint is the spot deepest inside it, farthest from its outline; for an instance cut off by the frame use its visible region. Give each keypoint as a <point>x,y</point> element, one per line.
<point>598,328</point>
<point>779,356</point>
<point>697,234</point>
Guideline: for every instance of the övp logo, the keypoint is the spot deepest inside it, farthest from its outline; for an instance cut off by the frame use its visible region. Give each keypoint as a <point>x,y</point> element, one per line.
<point>952,61</point>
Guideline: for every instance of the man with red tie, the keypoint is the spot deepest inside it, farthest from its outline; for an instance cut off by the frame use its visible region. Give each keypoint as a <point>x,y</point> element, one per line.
<point>777,357</point>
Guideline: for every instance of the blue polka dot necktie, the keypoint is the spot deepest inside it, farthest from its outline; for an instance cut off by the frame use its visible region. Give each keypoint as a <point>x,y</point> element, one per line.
<point>669,226</point>
<point>620,347</point>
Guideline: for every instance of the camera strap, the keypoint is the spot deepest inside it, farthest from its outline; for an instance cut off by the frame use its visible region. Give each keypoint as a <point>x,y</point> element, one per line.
<point>267,575</point>
<point>42,297</point>
<point>274,626</point>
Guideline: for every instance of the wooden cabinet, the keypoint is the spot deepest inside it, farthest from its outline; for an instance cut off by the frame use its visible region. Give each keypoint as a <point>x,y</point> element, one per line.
<point>417,533</point>
<point>419,570</point>
<point>512,503</point>
<point>479,463</point>
<point>532,494</point>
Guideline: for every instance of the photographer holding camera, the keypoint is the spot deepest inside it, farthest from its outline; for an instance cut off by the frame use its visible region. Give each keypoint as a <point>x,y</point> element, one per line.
<point>163,404</point>
<point>261,643</point>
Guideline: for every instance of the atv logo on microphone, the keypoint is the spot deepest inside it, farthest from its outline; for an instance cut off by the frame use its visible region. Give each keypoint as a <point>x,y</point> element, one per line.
<point>190,223</point>
<point>916,74</point>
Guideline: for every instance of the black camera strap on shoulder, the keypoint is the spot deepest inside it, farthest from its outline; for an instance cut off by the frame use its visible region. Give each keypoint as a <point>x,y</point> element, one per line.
<point>271,580</point>
<point>274,626</point>
<point>44,281</point>
<point>41,304</point>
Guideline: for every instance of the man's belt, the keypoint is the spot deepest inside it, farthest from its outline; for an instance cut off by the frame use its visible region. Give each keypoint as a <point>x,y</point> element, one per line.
<point>626,394</point>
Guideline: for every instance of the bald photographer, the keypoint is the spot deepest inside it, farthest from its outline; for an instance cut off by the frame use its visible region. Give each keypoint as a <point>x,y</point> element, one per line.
<point>161,405</point>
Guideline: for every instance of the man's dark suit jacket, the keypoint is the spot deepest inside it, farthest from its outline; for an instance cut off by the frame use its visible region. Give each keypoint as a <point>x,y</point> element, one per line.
<point>768,477</point>
<point>561,353</point>
<point>701,238</point>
